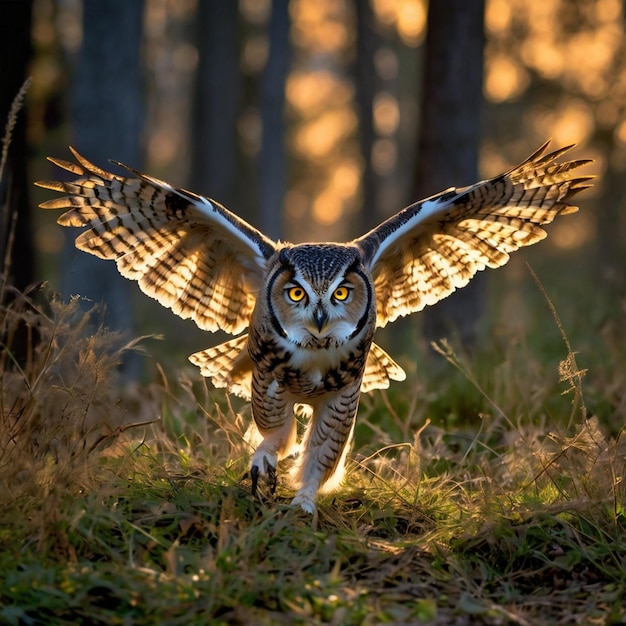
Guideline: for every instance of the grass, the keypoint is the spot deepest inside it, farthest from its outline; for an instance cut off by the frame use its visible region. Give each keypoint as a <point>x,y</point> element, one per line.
<point>131,506</point>
<point>487,491</point>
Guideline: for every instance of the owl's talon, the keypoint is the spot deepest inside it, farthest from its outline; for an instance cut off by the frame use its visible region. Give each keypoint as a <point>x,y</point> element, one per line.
<point>271,478</point>
<point>254,475</point>
<point>268,474</point>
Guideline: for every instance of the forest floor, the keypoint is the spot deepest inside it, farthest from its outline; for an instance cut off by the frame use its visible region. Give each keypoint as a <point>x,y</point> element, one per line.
<point>486,491</point>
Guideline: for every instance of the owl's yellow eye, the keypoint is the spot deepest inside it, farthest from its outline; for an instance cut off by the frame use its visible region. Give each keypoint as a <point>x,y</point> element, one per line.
<point>341,293</point>
<point>296,294</point>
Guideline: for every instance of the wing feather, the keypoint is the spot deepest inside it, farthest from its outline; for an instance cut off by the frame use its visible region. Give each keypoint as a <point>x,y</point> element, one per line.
<point>380,369</point>
<point>422,254</point>
<point>186,251</point>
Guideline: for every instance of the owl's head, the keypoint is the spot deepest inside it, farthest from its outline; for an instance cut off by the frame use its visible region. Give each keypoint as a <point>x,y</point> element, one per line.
<point>320,295</point>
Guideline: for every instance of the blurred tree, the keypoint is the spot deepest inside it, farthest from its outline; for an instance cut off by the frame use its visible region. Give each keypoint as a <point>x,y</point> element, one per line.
<point>449,137</point>
<point>107,113</point>
<point>367,41</point>
<point>611,258</point>
<point>216,102</point>
<point>15,25</point>
<point>17,253</point>
<point>272,155</point>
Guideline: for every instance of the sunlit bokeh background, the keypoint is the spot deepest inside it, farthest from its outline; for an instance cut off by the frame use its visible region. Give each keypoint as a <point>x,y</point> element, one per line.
<point>553,69</point>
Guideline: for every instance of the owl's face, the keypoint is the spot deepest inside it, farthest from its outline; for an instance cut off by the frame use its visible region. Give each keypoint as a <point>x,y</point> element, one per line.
<point>320,296</point>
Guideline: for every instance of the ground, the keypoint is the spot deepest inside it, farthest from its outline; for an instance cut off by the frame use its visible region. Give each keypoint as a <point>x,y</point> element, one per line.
<point>485,493</point>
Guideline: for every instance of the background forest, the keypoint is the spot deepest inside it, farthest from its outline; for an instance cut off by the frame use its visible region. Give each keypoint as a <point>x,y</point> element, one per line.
<point>487,489</point>
<point>345,93</point>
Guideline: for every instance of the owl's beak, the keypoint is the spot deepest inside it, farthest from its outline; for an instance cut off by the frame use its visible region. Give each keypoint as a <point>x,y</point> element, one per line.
<point>320,317</point>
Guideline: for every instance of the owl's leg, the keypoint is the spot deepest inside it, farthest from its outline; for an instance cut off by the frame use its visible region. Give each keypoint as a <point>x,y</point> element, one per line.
<point>273,416</point>
<point>325,447</point>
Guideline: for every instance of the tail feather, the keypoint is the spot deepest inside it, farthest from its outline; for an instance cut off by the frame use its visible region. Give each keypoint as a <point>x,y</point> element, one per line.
<point>228,365</point>
<point>379,370</point>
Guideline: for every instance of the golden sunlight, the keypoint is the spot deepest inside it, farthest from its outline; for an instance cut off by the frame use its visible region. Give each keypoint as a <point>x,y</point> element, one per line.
<point>319,26</point>
<point>504,78</point>
<point>250,131</point>
<point>332,202</point>
<point>256,11</point>
<point>574,232</point>
<point>386,10</point>
<point>407,16</point>
<point>387,64</point>
<point>346,178</point>
<point>545,57</point>
<point>327,207</point>
<point>411,21</point>
<point>589,54</point>
<point>312,92</point>
<point>164,144</point>
<point>498,15</point>
<point>386,113</point>
<point>317,138</point>
<point>620,133</point>
<point>569,121</point>
<point>254,54</point>
<point>384,156</point>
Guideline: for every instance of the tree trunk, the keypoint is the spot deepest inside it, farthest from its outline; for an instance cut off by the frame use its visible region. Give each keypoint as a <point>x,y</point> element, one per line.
<point>15,26</point>
<point>610,260</point>
<point>272,164</point>
<point>107,116</point>
<point>450,138</point>
<point>366,86</point>
<point>216,102</point>
<point>17,254</point>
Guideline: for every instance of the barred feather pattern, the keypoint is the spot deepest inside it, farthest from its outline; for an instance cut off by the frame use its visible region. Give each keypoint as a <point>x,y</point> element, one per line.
<point>187,252</point>
<point>422,254</point>
<point>228,365</point>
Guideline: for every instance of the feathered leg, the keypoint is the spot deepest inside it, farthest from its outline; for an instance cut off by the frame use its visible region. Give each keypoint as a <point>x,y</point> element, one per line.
<point>326,444</point>
<point>274,419</point>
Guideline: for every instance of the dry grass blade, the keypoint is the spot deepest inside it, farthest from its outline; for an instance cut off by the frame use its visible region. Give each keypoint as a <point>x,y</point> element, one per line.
<point>8,222</point>
<point>16,105</point>
<point>568,367</point>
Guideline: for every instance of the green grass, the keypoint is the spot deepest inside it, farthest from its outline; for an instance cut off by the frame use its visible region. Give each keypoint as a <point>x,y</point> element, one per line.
<point>487,492</point>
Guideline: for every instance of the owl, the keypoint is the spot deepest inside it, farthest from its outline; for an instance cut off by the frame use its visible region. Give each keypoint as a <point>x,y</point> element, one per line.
<point>310,310</point>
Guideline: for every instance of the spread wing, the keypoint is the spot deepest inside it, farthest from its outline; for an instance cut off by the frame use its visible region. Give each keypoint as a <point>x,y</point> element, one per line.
<point>422,254</point>
<point>186,251</point>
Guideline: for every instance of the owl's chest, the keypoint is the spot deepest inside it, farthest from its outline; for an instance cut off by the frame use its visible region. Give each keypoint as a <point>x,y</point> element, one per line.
<point>308,372</point>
